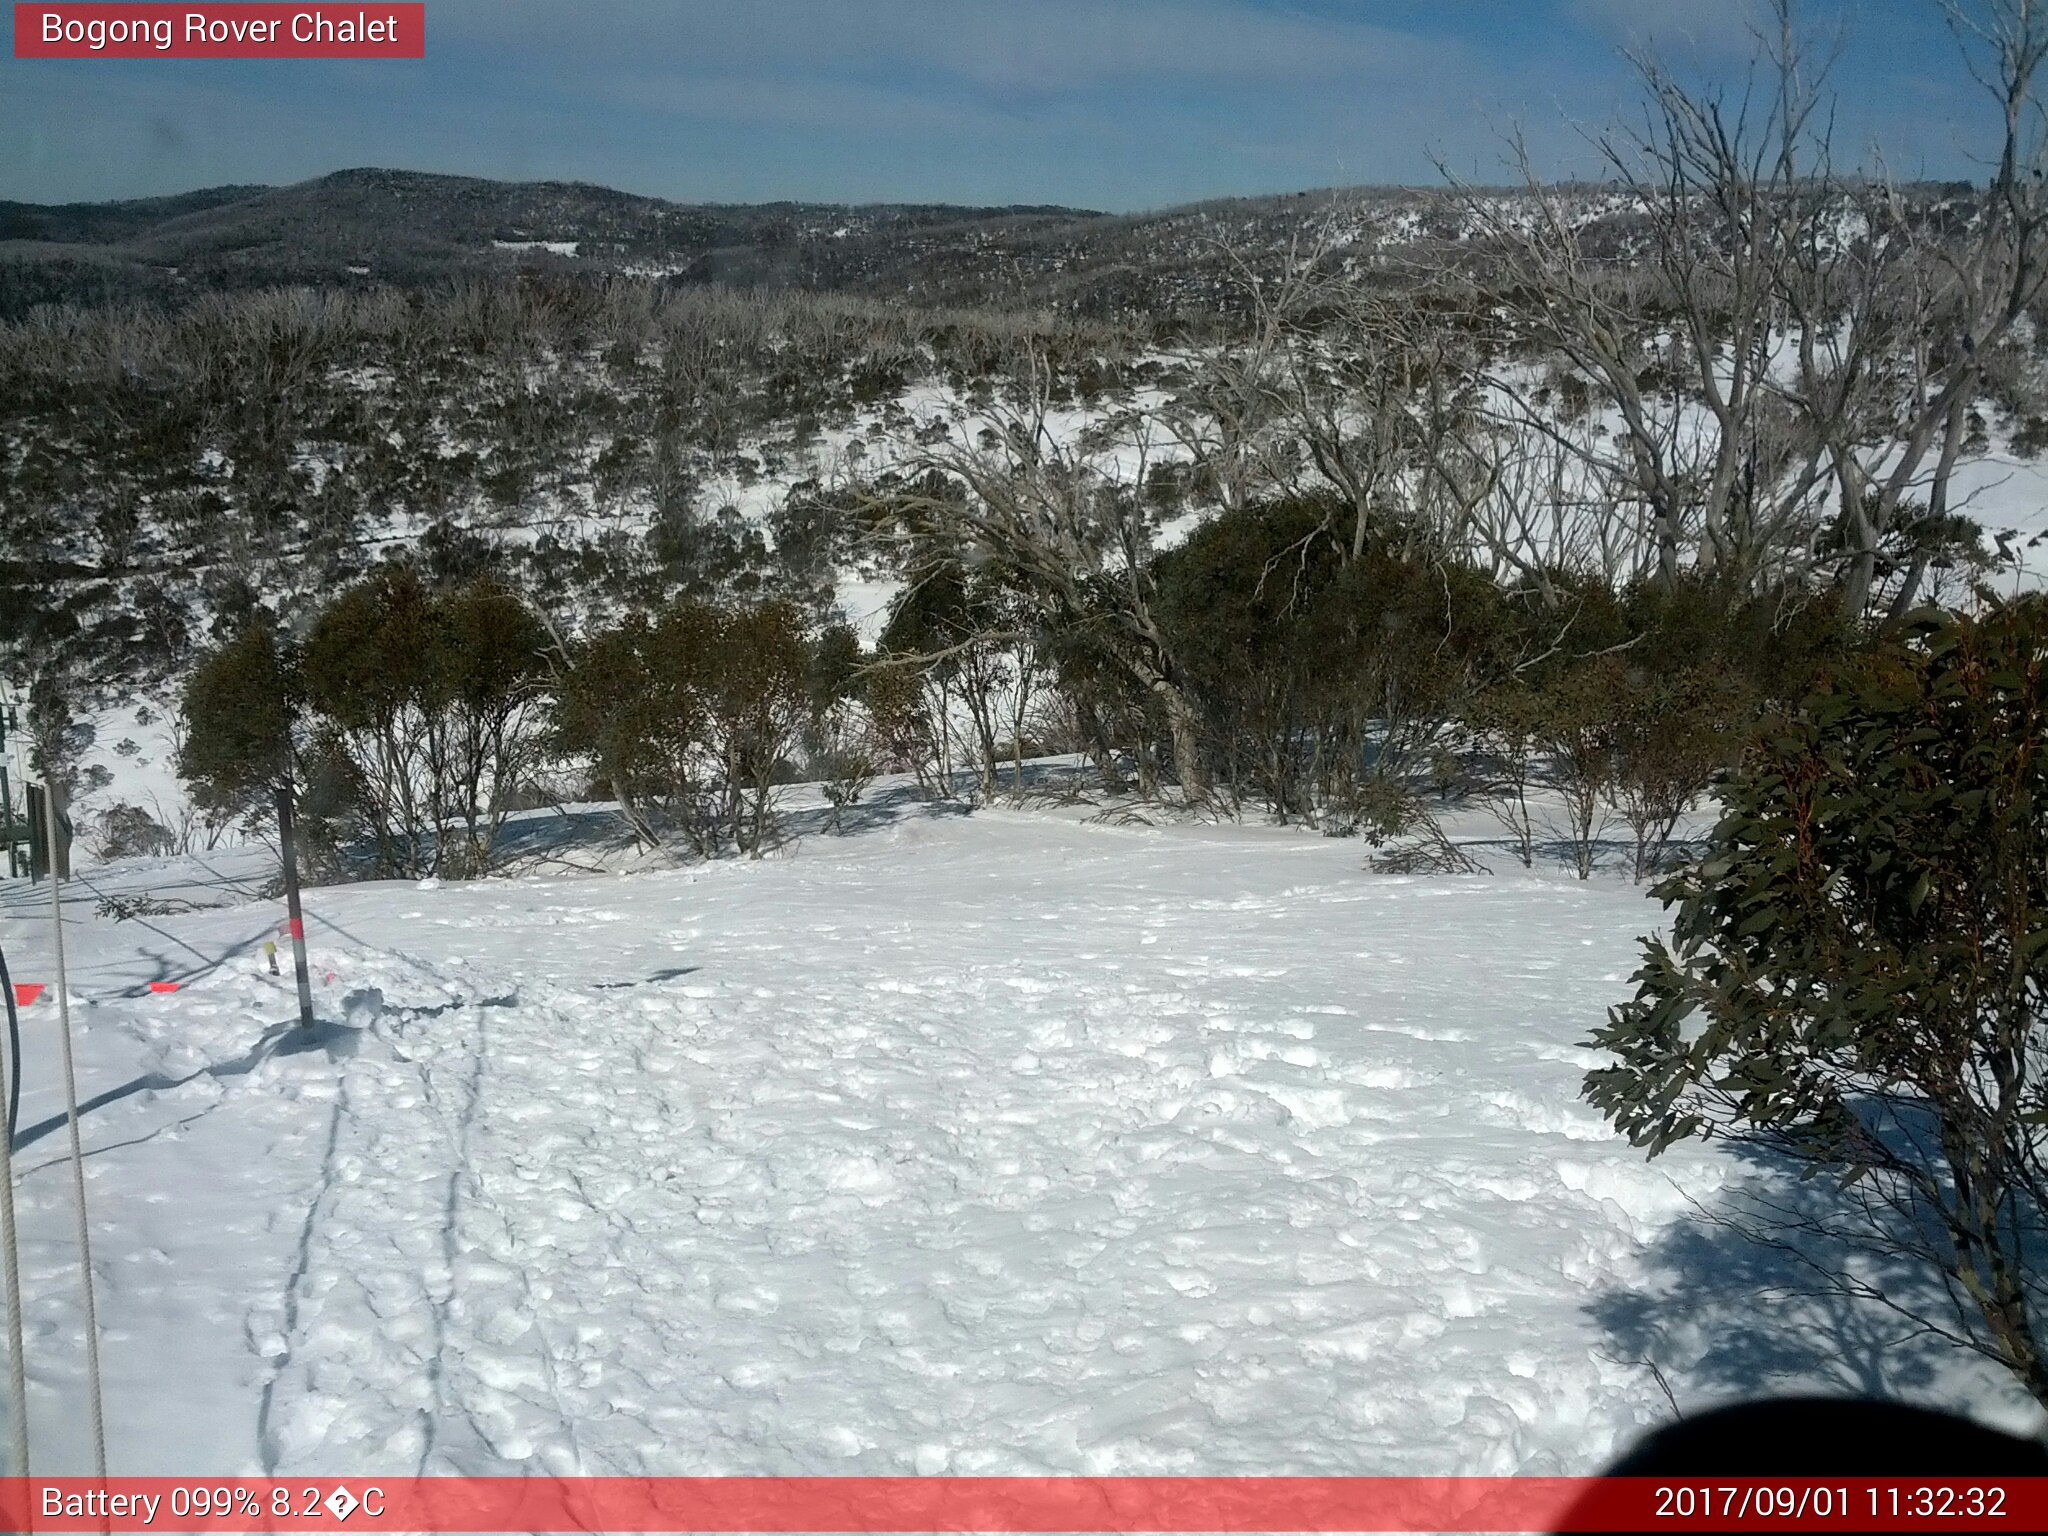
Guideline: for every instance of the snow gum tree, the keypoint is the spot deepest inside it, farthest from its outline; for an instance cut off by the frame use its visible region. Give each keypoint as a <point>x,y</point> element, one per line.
<point>1856,979</point>
<point>691,716</point>
<point>239,707</point>
<point>626,700</point>
<point>1784,356</point>
<point>978,638</point>
<point>757,703</point>
<point>1064,527</point>
<point>422,708</point>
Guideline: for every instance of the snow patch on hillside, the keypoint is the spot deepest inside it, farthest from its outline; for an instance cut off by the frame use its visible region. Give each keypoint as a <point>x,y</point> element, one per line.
<point>552,247</point>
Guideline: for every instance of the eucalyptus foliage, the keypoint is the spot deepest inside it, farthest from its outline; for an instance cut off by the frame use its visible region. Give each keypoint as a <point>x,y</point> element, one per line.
<point>1854,976</point>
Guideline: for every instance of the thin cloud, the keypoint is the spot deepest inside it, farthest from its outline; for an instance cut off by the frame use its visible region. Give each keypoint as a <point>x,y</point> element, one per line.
<point>822,105</point>
<point>1707,29</point>
<point>1031,45</point>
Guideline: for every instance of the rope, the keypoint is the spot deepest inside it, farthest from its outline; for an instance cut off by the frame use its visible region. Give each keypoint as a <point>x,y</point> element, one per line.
<point>92,1315</point>
<point>10,1259</point>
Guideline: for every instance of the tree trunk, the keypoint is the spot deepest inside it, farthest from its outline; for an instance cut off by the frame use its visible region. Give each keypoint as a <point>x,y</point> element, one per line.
<point>295,918</point>
<point>1100,750</point>
<point>1185,728</point>
<point>635,819</point>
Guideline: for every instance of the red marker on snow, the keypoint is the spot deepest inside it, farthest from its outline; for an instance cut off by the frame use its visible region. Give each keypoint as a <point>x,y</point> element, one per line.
<point>26,992</point>
<point>163,986</point>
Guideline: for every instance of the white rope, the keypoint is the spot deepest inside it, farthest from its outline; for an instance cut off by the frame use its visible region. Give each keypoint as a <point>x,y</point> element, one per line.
<point>10,1259</point>
<point>92,1315</point>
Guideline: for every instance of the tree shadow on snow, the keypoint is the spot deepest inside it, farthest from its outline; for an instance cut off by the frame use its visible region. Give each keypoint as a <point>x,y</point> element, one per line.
<point>561,833</point>
<point>1739,1300</point>
<point>875,813</point>
<point>570,839</point>
<point>332,1038</point>
<point>667,973</point>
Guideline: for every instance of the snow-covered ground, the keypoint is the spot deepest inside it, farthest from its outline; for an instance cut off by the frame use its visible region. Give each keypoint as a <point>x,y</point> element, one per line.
<point>995,1144</point>
<point>2007,494</point>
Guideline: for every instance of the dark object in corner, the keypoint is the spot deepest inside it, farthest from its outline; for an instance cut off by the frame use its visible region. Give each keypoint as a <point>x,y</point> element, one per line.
<point>1827,1437</point>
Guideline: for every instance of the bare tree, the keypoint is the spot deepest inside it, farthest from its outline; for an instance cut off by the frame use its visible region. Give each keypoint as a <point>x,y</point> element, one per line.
<point>1225,415</point>
<point>1787,362</point>
<point>1378,395</point>
<point>1544,511</point>
<point>1897,329</point>
<point>1057,517</point>
<point>1355,393</point>
<point>1676,346</point>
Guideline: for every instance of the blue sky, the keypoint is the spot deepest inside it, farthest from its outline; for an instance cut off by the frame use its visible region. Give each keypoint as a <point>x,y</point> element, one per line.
<point>1115,104</point>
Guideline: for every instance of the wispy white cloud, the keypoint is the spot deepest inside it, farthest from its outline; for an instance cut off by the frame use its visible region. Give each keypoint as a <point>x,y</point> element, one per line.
<point>1042,45</point>
<point>1710,30</point>
<point>1099,92</point>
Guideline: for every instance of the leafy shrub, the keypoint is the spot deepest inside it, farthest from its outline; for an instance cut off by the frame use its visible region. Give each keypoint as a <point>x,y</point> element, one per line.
<point>128,831</point>
<point>404,719</point>
<point>1857,975</point>
<point>691,716</point>
<point>1675,734</point>
<point>1318,670</point>
<point>239,707</point>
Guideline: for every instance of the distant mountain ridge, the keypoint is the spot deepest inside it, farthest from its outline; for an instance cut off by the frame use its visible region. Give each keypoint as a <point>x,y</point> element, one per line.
<point>371,227</point>
<point>403,226</point>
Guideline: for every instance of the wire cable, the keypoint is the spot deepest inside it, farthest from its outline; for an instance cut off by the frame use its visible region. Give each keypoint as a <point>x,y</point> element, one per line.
<point>14,1051</point>
<point>10,1259</point>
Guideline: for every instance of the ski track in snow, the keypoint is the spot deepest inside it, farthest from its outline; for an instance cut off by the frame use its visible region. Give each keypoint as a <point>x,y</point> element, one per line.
<point>993,1145</point>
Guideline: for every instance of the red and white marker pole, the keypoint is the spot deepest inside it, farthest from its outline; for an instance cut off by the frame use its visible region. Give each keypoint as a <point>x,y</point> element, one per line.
<point>297,925</point>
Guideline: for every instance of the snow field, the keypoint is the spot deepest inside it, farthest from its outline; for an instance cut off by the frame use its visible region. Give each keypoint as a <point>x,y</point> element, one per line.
<point>999,1144</point>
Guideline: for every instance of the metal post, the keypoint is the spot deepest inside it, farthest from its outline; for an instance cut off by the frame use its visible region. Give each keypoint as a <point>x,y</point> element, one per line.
<point>38,837</point>
<point>7,794</point>
<point>10,1262</point>
<point>291,902</point>
<point>7,806</point>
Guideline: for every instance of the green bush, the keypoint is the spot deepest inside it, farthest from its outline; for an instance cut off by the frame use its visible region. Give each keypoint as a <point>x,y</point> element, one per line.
<point>1317,671</point>
<point>691,716</point>
<point>239,707</point>
<point>404,720</point>
<point>1857,974</point>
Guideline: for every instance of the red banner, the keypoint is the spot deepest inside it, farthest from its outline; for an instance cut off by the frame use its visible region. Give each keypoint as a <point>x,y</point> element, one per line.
<point>319,31</point>
<point>1024,1504</point>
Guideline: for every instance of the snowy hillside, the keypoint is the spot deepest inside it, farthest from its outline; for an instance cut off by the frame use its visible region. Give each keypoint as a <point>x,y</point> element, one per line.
<point>1000,1143</point>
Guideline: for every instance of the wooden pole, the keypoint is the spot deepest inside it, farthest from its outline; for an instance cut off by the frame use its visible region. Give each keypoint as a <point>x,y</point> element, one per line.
<point>7,811</point>
<point>10,1257</point>
<point>291,902</point>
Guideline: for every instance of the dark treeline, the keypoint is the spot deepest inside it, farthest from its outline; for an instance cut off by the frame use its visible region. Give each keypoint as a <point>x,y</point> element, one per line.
<point>1360,694</point>
<point>367,229</point>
